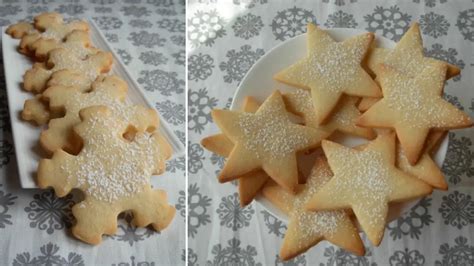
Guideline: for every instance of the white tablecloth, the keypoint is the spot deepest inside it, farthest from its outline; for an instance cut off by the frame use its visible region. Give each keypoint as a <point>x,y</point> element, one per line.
<point>227,37</point>
<point>34,224</point>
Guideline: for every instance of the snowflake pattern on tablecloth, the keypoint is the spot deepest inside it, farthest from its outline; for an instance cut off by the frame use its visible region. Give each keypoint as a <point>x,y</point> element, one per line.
<point>125,56</point>
<point>175,164</point>
<point>291,22</point>
<point>172,112</point>
<point>6,152</point>
<point>457,209</point>
<point>112,37</point>
<point>434,25</point>
<point>178,40</point>
<point>407,257</point>
<point>140,23</point>
<point>49,213</point>
<point>465,24</point>
<point>71,9</point>
<point>205,27</point>
<point>181,136</point>
<point>171,25</point>
<point>135,11</point>
<point>195,158</point>
<point>9,10</point>
<point>108,23</point>
<point>144,38</point>
<point>192,258</point>
<point>179,57</point>
<point>449,55</point>
<point>389,22</point>
<point>49,256</point>
<point>37,9</point>
<point>239,62</point>
<point>340,19</point>
<point>298,261</point>
<point>247,3</point>
<point>338,256</point>
<point>134,262</point>
<point>197,210</point>
<point>166,12</point>
<point>6,201</point>
<point>339,2</point>
<point>129,233</point>
<point>181,205</point>
<point>232,215</point>
<point>153,58</point>
<point>453,100</point>
<point>165,82</point>
<point>4,22</point>
<point>233,254</point>
<point>200,105</point>
<point>459,254</point>
<point>411,223</point>
<point>218,161</point>
<point>247,26</point>
<point>275,226</point>
<point>200,66</point>
<point>430,3</point>
<point>459,157</point>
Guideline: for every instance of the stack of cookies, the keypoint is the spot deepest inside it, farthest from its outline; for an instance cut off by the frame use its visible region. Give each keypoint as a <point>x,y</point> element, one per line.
<point>391,97</point>
<point>96,141</point>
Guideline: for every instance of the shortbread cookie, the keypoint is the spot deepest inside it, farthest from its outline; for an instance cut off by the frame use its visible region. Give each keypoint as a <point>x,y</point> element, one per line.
<point>413,106</point>
<point>113,173</point>
<point>343,119</point>
<point>367,102</point>
<point>330,69</point>
<point>110,91</point>
<point>308,228</point>
<point>36,110</point>
<point>265,140</point>
<point>366,181</point>
<point>36,78</point>
<point>251,183</point>
<point>20,29</point>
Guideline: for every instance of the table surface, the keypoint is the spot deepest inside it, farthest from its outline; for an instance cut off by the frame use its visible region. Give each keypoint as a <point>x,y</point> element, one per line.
<point>439,230</point>
<point>34,224</point>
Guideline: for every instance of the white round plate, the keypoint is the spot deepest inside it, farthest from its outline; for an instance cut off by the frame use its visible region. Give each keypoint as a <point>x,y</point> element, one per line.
<point>258,83</point>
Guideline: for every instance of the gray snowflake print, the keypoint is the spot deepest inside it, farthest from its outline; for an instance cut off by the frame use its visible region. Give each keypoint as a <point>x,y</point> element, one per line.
<point>153,58</point>
<point>171,25</point>
<point>232,215</point>
<point>434,25</point>
<point>174,165</point>
<point>71,9</point>
<point>453,100</point>
<point>233,254</point>
<point>407,257</point>
<point>6,200</point>
<point>9,10</point>
<point>135,11</point>
<point>111,37</point>
<point>337,256</point>
<point>178,40</point>
<point>192,258</point>
<point>47,212</point>
<point>108,23</point>
<point>247,3</point>
<point>144,38</point>
<point>124,56</point>
<point>430,3</point>
<point>457,209</point>
<point>205,27</point>
<point>49,256</point>
<point>179,57</point>
<point>4,22</point>
<point>172,112</point>
<point>200,105</point>
<point>180,206</point>
<point>37,9</point>
<point>103,9</point>
<point>247,26</point>
<point>239,62</point>
<point>103,2</point>
<point>412,222</point>
<point>165,82</point>
<point>197,207</point>
<point>298,261</point>
<point>6,151</point>
<point>181,136</point>
<point>217,160</point>
<point>166,12</point>
<point>389,22</point>
<point>127,232</point>
<point>459,157</point>
<point>465,24</point>
<point>291,22</point>
<point>339,2</point>
<point>195,158</point>
<point>133,262</point>
<point>161,3</point>
<point>449,55</point>
<point>275,226</point>
<point>200,66</point>
<point>340,19</point>
<point>140,23</point>
<point>459,254</point>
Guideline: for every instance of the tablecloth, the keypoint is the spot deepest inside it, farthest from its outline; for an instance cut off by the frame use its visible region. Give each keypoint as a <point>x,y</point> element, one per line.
<point>34,224</point>
<point>227,37</point>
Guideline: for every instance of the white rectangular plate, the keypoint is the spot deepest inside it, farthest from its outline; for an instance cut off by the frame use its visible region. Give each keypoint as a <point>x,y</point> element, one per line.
<point>25,135</point>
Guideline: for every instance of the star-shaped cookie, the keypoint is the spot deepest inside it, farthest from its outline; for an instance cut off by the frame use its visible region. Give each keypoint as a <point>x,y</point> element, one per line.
<point>307,228</point>
<point>330,69</point>
<point>413,106</point>
<point>251,183</point>
<point>265,140</point>
<point>366,181</point>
